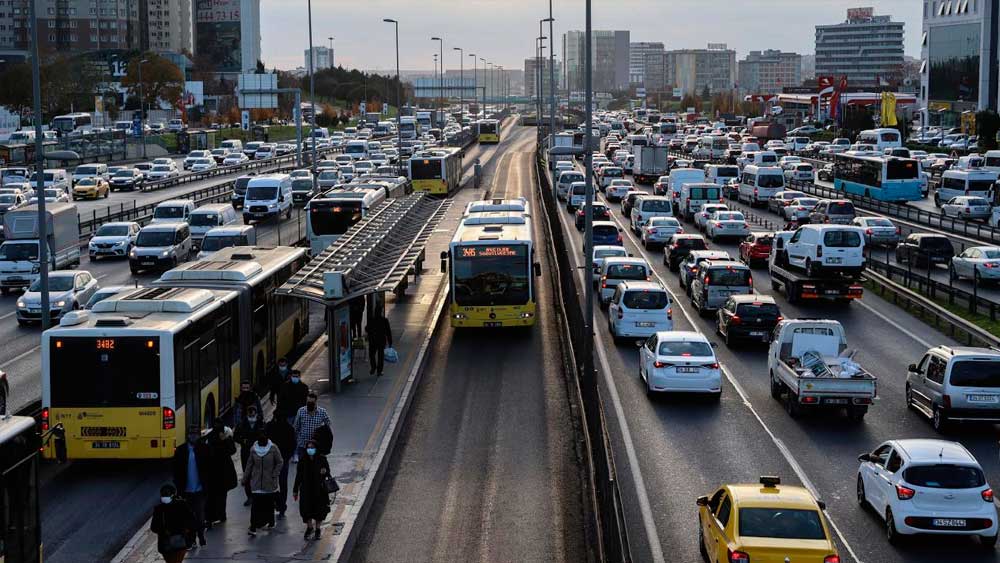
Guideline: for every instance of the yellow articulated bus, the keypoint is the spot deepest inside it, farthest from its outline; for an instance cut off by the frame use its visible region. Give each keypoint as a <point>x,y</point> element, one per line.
<point>492,273</point>
<point>129,376</point>
<point>437,171</point>
<point>488,131</point>
<point>20,514</point>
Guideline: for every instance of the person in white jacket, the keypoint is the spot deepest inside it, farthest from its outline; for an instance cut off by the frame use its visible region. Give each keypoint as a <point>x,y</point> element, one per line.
<point>262,477</point>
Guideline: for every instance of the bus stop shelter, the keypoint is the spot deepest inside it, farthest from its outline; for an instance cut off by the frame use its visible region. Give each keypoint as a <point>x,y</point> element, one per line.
<point>374,257</point>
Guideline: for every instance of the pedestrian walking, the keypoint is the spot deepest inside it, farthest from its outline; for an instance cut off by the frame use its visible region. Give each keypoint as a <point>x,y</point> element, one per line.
<point>222,473</point>
<point>357,314</point>
<point>191,467</point>
<point>173,523</point>
<point>282,434</point>
<point>280,376</point>
<point>245,435</point>
<point>291,396</point>
<point>261,477</point>
<point>379,336</point>
<point>310,489</point>
<point>246,399</point>
<point>307,421</point>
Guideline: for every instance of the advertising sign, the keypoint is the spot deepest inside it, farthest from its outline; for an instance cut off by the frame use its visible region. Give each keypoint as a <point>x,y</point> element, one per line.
<point>860,13</point>
<point>245,120</point>
<point>217,33</point>
<point>342,319</point>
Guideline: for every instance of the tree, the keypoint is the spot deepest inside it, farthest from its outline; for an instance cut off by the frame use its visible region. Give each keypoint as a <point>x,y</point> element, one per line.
<point>987,125</point>
<point>162,81</point>
<point>15,87</point>
<point>690,101</point>
<point>706,94</point>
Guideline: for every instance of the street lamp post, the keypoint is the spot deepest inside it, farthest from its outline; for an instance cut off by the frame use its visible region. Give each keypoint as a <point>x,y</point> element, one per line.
<point>142,116</point>
<point>552,78</point>
<point>440,114</point>
<point>312,99</point>
<point>484,85</point>
<point>538,81</point>
<point>475,79</point>
<point>399,104</point>
<point>43,248</point>
<point>588,229</point>
<point>329,59</point>
<point>492,83</point>
<point>461,78</point>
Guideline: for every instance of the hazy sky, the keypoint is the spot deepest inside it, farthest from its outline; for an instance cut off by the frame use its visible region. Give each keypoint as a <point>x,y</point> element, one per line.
<point>503,31</point>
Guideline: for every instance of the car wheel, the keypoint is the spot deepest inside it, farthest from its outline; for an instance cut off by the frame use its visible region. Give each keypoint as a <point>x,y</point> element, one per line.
<point>775,387</point>
<point>729,340</point>
<point>862,499</point>
<point>939,420</point>
<point>988,542</point>
<point>701,543</point>
<point>978,278</point>
<point>792,405</point>
<point>810,268</point>
<point>909,398</point>
<point>891,534</point>
<point>21,322</point>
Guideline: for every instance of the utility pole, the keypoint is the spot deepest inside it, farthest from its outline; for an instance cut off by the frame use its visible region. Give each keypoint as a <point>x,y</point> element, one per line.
<point>312,99</point>
<point>588,230</point>
<point>552,79</point>
<point>475,80</point>
<point>43,235</point>
<point>440,115</point>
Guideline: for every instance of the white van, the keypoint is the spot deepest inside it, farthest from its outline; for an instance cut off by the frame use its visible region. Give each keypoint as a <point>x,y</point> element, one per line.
<point>882,138</point>
<point>577,196</point>
<point>267,196</point>
<point>639,309</point>
<point>648,206</point>
<point>760,183</point>
<point>678,177</point>
<point>721,174</point>
<point>56,178</point>
<point>694,196</point>
<point>827,248</point>
<point>566,178</point>
<point>992,161</point>
<point>974,182</point>
<point>208,217</point>
<point>173,211</point>
<point>95,170</point>
<point>711,147</point>
<point>765,158</point>
<point>356,149</point>
<point>232,145</point>
<point>224,237</point>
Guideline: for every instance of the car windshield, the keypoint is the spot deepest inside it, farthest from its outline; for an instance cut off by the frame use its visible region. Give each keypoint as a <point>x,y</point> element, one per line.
<point>938,243</point>
<point>758,310</point>
<point>14,251</point>
<point>606,252</point>
<point>975,373</point>
<point>112,231</point>
<point>161,168</point>
<point>991,254</point>
<point>123,174</point>
<point>685,348</point>
<point>879,222</point>
<point>841,239</point>
<point>729,276</point>
<point>204,219</point>
<point>645,299</point>
<point>217,242</point>
<point>728,216</point>
<point>976,201</point>
<point>155,238</point>
<point>169,212</point>
<point>980,185</point>
<point>664,222</point>
<point>626,272</point>
<point>305,185</point>
<point>492,275</point>
<point>770,181</point>
<point>944,476</point>
<point>605,231</point>
<point>691,243</point>
<point>782,523</point>
<point>7,198</point>
<point>53,193</point>
<point>262,193</point>
<point>841,208</point>
<point>56,283</point>
<point>656,205</point>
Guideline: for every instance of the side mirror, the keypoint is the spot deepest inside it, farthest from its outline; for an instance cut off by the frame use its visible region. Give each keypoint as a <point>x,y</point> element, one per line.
<point>537,269</point>
<point>865,457</point>
<point>821,505</point>
<point>702,500</point>
<point>912,368</point>
<point>444,261</point>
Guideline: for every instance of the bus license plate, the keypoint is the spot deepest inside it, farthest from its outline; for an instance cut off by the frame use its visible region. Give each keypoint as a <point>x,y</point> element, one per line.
<point>106,445</point>
<point>493,324</point>
<point>949,522</point>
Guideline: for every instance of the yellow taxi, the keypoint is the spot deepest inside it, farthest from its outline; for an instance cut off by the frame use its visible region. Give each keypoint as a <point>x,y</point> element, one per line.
<point>91,187</point>
<point>765,523</point>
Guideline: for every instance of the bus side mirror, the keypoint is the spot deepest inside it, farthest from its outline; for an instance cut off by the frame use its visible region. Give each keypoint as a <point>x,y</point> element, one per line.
<point>444,261</point>
<point>537,268</point>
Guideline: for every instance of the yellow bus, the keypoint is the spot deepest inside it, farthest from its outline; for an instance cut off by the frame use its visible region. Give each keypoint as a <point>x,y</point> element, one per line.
<point>437,171</point>
<point>20,514</point>
<point>488,131</point>
<point>129,376</point>
<point>492,273</point>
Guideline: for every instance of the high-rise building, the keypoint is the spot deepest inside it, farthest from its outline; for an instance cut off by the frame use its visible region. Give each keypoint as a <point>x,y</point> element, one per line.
<point>227,32</point>
<point>609,60</point>
<point>655,69</point>
<point>695,70</point>
<point>865,48</point>
<point>531,76</point>
<point>958,52</point>
<point>767,72</point>
<point>169,26</point>
<point>71,26</point>
<point>322,58</point>
<point>637,61</point>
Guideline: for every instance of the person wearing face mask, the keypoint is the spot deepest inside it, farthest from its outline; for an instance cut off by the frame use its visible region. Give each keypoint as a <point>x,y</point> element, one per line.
<point>173,523</point>
<point>222,472</point>
<point>246,399</point>
<point>292,396</point>
<point>191,468</point>
<point>307,420</point>
<point>280,376</point>
<point>261,477</point>
<point>245,434</point>
<point>310,489</point>
<point>283,435</point>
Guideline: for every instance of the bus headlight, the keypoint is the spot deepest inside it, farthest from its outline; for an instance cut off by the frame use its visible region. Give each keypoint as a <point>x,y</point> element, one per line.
<point>527,315</point>
<point>459,316</point>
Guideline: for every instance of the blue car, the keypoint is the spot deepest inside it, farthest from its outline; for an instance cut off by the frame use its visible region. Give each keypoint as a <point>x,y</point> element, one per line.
<point>607,233</point>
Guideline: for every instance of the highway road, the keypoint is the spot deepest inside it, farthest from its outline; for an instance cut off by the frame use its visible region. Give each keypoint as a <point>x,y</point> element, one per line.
<point>486,464</point>
<point>671,450</point>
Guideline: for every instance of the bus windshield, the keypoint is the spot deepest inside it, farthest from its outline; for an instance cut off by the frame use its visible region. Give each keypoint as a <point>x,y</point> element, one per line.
<point>333,217</point>
<point>489,275</point>
<point>90,372</point>
<point>425,169</point>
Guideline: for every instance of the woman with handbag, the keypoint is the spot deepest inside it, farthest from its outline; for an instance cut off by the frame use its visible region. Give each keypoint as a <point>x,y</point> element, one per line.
<point>174,525</point>
<point>314,482</point>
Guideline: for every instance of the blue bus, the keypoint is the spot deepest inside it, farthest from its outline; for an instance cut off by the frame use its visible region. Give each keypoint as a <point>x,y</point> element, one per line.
<point>878,177</point>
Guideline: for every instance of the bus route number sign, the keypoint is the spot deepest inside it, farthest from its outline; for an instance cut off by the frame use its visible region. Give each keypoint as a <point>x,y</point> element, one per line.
<point>489,252</point>
<point>105,343</point>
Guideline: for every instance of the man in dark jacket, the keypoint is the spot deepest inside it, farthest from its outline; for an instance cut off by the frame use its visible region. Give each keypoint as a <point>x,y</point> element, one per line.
<point>222,476</point>
<point>246,399</point>
<point>192,465</point>
<point>291,396</point>
<point>379,336</point>
<point>282,434</point>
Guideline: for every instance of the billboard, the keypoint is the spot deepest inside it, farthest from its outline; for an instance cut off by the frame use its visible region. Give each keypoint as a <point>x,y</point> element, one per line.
<point>860,13</point>
<point>217,33</point>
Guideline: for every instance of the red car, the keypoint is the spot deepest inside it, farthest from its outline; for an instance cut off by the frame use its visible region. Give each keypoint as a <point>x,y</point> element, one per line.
<point>756,248</point>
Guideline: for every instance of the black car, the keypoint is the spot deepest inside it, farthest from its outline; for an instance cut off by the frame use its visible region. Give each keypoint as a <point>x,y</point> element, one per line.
<point>599,211</point>
<point>679,247</point>
<point>129,179</point>
<point>748,317</point>
<point>925,250</point>
<point>628,201</point>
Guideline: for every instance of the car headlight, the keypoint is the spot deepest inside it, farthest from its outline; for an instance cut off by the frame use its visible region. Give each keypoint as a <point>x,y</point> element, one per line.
<point>132,253</point>
<point>165,253</point>
<point>60,303</point>
<point>92,244</point>
<point>21,304</point>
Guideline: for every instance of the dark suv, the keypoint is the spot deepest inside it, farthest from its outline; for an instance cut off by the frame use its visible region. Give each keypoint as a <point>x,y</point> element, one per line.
<point>925,250</point>
<point>679,247</point>
<point>748,317</point>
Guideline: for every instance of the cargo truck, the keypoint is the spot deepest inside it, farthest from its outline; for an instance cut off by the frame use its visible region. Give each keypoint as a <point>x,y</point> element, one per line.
<point>19,264</point>
<point>651,162</point>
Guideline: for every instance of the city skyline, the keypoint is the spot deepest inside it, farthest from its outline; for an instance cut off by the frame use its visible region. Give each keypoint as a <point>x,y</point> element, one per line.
<point>358,32</point>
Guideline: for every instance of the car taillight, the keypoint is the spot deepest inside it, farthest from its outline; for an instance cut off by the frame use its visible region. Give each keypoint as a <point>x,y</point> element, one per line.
<point>659,364</point>
<point>831,559</point>
<point>819,252</point>
<point>746,226</point>
<point>904,493</point>
<point>755,191</point>
<point>670,313</point>
<point>738,557</point>
<point>713,365</point>
<point>780,318</point>
<point>987,495</point>
<point>651,231</point>
<point>868,232</point>
<point>735,320</point>
<point>45,419</point>
<point>946,400</point>
<point>619,237</point>
<point>898,231</point>
<point>168,418</point>
<point>706,280</point>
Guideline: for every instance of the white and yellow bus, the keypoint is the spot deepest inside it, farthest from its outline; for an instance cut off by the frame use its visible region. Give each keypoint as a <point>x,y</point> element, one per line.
<point>437,171</point>
<point>488,131</point>
<point>128,377</point>
<point>492,273</point>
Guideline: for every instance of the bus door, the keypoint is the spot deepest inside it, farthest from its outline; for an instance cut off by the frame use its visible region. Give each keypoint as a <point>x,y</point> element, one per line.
<point>21,539</point>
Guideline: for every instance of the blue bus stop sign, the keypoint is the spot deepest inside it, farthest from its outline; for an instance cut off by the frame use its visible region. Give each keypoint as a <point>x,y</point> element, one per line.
<point>137,126</point>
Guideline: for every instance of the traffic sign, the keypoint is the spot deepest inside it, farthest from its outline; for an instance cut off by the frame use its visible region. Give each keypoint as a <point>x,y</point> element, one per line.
<point>245,120</point>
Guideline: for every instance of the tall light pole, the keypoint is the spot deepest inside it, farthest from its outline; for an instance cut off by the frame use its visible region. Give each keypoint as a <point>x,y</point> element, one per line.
<point>538,81</point>
<point>43,247</point>
<point>461,78</point>
<point>142,116</point>
<point>312,98</point>
<point>492,83</point>
<point>475,78</point>
<point>552,78</point>
<point>399,103</point>
<point>441,81</point>
<point>588,229</point>
<point>541,65</point>
<point>503,90</point>
<point>330,58</point>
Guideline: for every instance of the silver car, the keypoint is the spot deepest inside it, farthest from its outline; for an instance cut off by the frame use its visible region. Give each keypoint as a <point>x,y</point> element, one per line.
<point>68,290</point>
<point>967,207</point>
<point>878,230</point>
<point>716,281</point>
<point>955,384</point>
<point>981,263</point>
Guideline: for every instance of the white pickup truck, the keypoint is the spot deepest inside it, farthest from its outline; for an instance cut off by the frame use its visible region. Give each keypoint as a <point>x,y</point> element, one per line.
<point>811,368</point>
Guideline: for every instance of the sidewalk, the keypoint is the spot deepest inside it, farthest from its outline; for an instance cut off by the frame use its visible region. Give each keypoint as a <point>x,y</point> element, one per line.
<point>366,420</point>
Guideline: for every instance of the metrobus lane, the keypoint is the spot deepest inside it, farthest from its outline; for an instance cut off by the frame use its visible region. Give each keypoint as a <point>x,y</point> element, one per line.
<point>685,446</point>
<point>826,446</point>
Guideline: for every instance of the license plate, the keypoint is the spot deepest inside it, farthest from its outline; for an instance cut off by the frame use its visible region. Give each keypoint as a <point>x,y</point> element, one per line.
<point>831,292</point>
<point>15,278</point>
<point>106,445</point>
<point>757,333</point>
<point>948,522</point>
<point>833,260</point>
<point>981,398</point>
<point>645,324</point>
<point>687,370</point>
<point>835,401</point>
<point>492,324</point>
<point>147,262</point>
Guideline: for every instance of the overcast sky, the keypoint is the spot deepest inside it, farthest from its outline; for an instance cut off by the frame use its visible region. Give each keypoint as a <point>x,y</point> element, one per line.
<point>503,31</point>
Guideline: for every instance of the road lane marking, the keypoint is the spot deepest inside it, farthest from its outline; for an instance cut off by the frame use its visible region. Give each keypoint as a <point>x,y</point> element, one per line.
<point>20,356</point>
<point>895,325</point>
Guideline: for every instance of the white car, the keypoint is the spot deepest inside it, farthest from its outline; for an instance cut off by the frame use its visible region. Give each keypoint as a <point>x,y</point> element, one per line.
<point>113,239</point>
<point>68,290</point>
<point>967,207</point>
<point>802,172</point>
<point>52,195</point>
<point>202,164</point>
<point>679,362</point>
<point>234,159</point>
<point>659,230</point>
<point>265,151</point>
<point>563,166</point>
<point>799,208</point>
<point>617,190</point>
<point>932,487</point>
<point>601,252</point>
<point>639,309</point>
<point>706,211</point>
<point>977,262</point>
<point>195,156</point>
<point>726,224</point>
<point>789,162</point>
<point>162,172</point>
